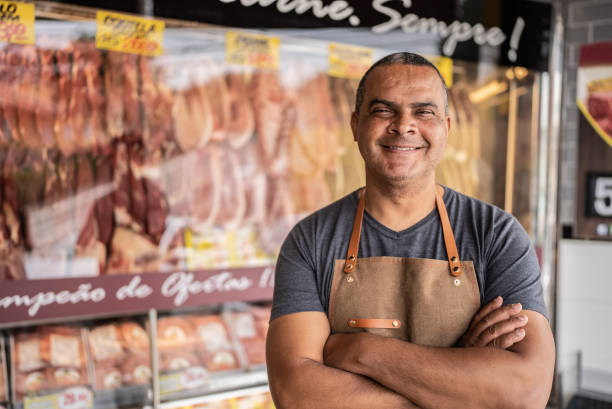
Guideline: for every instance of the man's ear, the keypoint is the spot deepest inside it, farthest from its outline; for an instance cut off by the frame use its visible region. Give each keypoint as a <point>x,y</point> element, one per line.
<point>354,120</point>
<point>448,124</point>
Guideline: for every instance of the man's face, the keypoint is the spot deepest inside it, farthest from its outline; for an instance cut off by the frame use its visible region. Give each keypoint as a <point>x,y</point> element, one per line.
<point>401,128</point>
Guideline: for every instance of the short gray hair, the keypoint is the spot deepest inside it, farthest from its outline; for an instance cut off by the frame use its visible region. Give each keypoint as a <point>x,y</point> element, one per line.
<point>403,58</point>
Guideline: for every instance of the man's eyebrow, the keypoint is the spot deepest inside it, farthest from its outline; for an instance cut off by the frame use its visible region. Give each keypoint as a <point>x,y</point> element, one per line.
<point>376,101</point>
<point>425,104</point>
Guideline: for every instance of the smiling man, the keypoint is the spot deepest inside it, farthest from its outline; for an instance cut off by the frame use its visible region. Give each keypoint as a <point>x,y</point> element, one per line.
<point>408,294</point>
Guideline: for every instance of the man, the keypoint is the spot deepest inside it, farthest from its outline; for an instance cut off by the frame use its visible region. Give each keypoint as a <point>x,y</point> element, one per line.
<point>378,296</point>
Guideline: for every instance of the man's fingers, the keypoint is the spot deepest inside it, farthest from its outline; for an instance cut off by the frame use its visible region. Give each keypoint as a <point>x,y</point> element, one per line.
<point>486,310</point>
<point>498,315</point>
<point>496,332</point>
<point>506,341</point>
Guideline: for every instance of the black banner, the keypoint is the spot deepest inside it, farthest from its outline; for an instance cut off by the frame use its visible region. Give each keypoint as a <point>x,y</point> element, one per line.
<point>504,32</point>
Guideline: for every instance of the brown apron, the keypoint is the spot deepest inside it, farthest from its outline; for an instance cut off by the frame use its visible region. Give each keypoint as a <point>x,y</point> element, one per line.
<point>424,301</point>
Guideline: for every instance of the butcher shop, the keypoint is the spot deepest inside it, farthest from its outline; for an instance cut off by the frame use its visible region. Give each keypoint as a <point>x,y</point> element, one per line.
<point>154,156</point>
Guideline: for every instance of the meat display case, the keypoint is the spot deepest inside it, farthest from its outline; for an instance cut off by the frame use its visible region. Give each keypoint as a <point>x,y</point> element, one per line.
<point>138,185</point>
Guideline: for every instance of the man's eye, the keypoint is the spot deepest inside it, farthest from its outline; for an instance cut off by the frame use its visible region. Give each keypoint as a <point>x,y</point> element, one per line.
<point>381,110</point>
<point>425,112</point>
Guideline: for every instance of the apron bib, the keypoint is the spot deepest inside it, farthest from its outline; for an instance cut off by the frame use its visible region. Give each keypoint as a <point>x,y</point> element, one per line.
<point>423,301</point>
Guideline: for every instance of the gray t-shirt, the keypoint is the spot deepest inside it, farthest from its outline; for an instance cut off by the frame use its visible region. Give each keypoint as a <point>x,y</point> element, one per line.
<point>499,247</point>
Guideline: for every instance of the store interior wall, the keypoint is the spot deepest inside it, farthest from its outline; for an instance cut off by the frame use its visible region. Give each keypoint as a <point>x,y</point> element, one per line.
<point>584,304</point>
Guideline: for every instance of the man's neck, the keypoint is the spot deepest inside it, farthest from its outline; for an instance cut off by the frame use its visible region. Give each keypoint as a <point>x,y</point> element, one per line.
<point>400,206</point>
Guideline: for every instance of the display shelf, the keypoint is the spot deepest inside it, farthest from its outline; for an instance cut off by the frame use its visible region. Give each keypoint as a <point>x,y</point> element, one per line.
<point>126,397</point>
<point>218,383</point>
<point>213,397</point>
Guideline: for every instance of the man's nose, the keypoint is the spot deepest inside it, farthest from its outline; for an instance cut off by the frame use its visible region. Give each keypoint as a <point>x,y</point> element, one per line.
<point>403,123</point>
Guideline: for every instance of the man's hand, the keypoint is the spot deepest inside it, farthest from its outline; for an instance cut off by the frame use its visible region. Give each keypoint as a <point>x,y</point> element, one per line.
<point>495,325</point>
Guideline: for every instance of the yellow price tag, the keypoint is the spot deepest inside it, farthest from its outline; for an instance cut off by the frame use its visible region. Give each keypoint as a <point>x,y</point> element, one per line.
<point>445,66</point>
<point>255,50</point>
<point>348,61</point>
<point>16,22</point>
<point>129,34</point>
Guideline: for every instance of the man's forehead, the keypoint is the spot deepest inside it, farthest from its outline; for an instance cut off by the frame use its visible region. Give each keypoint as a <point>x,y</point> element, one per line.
<point>395,76</point>
<point>401,73</point>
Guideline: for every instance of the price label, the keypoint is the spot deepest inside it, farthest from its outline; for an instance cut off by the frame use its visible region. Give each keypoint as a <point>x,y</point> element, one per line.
<point>599,195</point>
<point>254,50</point>
<point>348,61</point>
<point>77,397</point>
<point>445,66</point>
<point>129,34</point>
<point>16,22</point>
<point>189,378</point>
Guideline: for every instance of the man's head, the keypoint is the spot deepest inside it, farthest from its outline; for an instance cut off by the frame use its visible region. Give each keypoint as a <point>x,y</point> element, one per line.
<point>404,58</point>
<point>400,121</point>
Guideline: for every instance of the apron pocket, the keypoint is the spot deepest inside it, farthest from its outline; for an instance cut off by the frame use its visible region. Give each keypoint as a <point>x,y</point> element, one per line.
<point>374,323</point>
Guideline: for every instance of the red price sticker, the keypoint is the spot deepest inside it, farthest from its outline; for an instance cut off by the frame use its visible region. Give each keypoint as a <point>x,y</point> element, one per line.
<point>16,22</point>
<point>129,34</point>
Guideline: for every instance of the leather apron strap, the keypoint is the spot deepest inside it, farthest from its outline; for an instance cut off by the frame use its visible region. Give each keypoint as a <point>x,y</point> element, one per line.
<point>454,262</point>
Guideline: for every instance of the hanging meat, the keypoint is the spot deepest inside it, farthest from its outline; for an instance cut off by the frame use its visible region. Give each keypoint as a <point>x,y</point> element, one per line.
<point>241,122</point>
<point>156,101</point>
<point>96,99</point>
<point>274,116</point>
<point>104,205</point>
<point>10,94</point>
<point>132,120</point>
<point>233,198</point>
<point>5,137</point>
<point>113,87</point>
<point>217,91</point>
<point>63,129</point>
<point>47,97</point>
<point>192,110</point>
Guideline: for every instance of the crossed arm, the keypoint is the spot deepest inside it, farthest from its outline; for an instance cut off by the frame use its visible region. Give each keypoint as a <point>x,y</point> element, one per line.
<point>308,368</point>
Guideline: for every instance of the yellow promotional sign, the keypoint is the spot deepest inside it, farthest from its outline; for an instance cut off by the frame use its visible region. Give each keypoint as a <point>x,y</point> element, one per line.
<point>445,66</point>
<point>16,22</point>
<point>348,61</point>
<point>255,50</point>
<point>129,34</point>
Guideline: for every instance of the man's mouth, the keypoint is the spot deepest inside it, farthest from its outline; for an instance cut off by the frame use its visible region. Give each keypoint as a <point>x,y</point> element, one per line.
<point>401,148</point>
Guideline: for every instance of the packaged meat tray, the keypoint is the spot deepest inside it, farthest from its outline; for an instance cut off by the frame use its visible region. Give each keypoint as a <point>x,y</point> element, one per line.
<point>47,359</point>
<point>120,354</point>
<point>249,327</point>
<point>213,343</point>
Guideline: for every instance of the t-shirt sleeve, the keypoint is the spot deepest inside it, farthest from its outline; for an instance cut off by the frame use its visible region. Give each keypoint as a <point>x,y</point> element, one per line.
<point>295,284</point>
<point>512,269</point>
